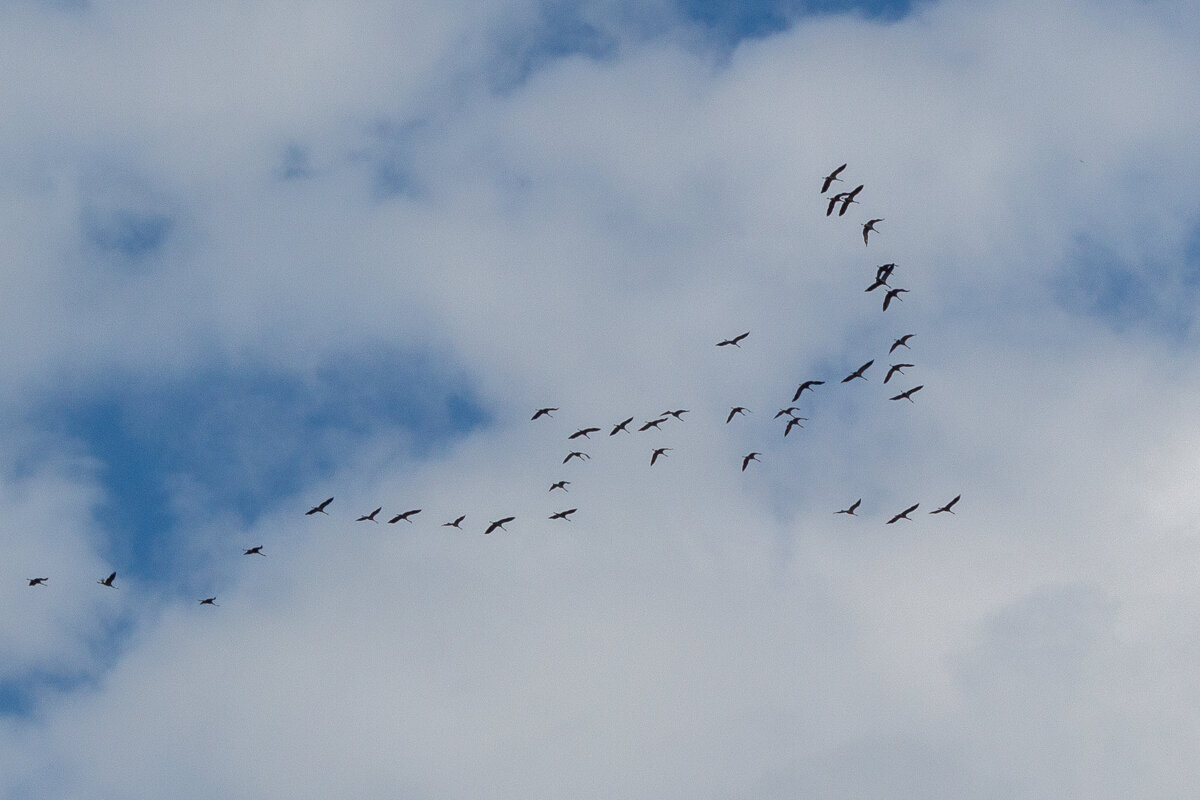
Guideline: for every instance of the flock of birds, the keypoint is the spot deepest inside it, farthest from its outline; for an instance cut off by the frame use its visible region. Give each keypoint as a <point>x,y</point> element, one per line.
<point>883,274</point>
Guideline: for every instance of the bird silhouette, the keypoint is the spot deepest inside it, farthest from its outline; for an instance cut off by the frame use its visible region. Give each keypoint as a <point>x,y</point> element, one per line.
<point>499,523</point>
<point>37,581</point>
<point>370,517</point>
<point>948,508</point>
<point>893,369</point>
<point>908,393</point>
<point>853,507</point>
<point>457,523</point>
<point>733,412</point>
<point>576,454</point>
<point>319,508</point>
<point>108,581</point>
<point>833,201</point>
<point>848,199</point>
<point>255,551</point>
<point>884,271</point>
<point>858,373</point>
<point>654,423</point>
<point>209,601</point>
<point>405,515</point>
<point>892,294</point>
<point>659,451</point>
<point>903,514</point>
<point>794,422</point>
<point>746,459</point>
<point>564,514</point>
<point>830,178</point>
<point>584,432</point>
<point>868,227</point>
<point>677,413</point>
<point>786,412</point>
<point>543,412</point>
<point>620,426</point>
<point>559,485</point>
<point>734,341</point>
<point>876,284</point>
<point>901,342</point>
<point>806,385</point>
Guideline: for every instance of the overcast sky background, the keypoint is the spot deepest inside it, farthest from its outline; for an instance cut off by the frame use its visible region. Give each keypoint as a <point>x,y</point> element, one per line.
<point>255,255</point>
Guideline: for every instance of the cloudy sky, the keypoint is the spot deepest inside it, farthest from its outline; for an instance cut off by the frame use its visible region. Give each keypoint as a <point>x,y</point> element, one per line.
<point>259,254</point>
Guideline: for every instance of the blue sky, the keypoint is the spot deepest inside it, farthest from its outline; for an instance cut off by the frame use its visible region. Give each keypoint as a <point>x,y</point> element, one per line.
<point>260,256</point>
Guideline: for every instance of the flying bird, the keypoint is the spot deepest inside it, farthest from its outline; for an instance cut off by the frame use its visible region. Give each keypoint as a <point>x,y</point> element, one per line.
<point>575,454</point>
<point>404,516</point>
<point>620,426</point>
<point>901,342</point>
<point>892,294</point>
<point>584,432</point>
<point>853,507</point>
<point>893,369</point>
<point>948,508</point>
<point>543,412</point>
<point>878,282</point>
<point>456,524</point>
<point>789,412</point>
<point>803,386</point>
<point>319,508</point>
<point>734,341</point>
<point>884,271</point>
<point>830,178</point>
<point>499,523</point>
<point>794,422</point>
<point>903,514</point>
<point>833,201</point>
<point>869,226</point>
<point>109,581</point>
<point>746,459</point>
<point>848,199</point>
<point>563,514</point>
<point>659,451</point>
<point>255,551</point>
<point>209,601</point>
<point>37,581</point>
<point>654,423</point>
<point>559,485</point>
<point>858,373</point>
<point>907,394</point>
<point>734,412</point>
<point>370,517</point>
<point>677,413</point>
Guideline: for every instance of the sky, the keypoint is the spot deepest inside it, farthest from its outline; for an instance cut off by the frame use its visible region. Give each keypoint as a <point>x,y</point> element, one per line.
<point>258,255</point>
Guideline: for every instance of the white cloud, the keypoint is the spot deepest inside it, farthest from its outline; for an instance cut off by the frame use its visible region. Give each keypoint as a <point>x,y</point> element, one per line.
<point>582,239</point>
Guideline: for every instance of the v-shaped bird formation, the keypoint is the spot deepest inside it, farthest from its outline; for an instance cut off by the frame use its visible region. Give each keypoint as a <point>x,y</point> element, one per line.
<point>791,418</point>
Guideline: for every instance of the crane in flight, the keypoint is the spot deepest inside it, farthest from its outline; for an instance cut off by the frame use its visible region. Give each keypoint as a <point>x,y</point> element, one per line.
<point>499,523</point>
<point>868,227</point>
<point>584,432</point>
<point>853,508</point>
<point>903,514</point>
<point>576,454</point>
<point>654,423</point>
<point>564,514</point>
<point>830,178</point>
<point>949,507</point>
<point>848,199</point>
<point>370,517</point>
<point>209,601</point>
<point>746,459</point>
<point>404,515</point>
<point>37,581</point>
<point>908,393</point>
<point>733,412</point>
<point>734,341</point>
<point>658,451</point>
<point>621,426</point>
<point>108,581</point>
<point>255,551</point>
<point>892,294</point>
<point>319,508</point>
<point>559,485</point>
<point>901,342</point>
<point>894,368</point>
<point>543,412</point>
<point>806,385</point>
<point>457,523</point>
<point>858,373</point>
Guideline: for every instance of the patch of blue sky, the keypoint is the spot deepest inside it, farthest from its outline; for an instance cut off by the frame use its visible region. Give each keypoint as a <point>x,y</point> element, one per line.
<point>560,30</point>
<point>747,19</point>
<point>241,439</point>
<point>1157,297</point>
<point>20,696</point>
<point>125,233</point>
